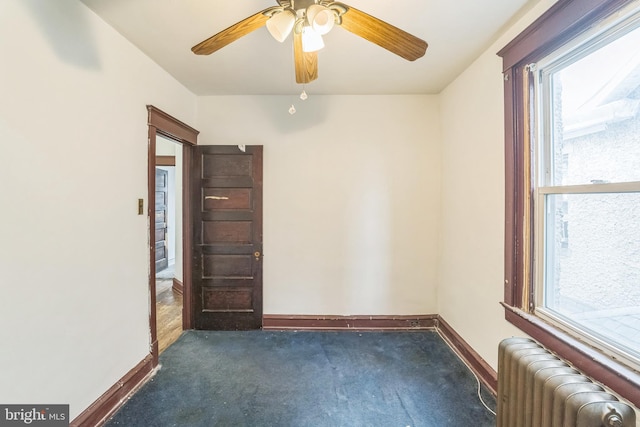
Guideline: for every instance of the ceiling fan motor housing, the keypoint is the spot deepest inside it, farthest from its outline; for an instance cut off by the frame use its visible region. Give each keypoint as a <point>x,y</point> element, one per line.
<point>297,4</point>
<point>302,4</point>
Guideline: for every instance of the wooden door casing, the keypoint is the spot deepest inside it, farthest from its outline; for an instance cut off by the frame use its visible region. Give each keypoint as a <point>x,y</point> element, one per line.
<point>227,239</point>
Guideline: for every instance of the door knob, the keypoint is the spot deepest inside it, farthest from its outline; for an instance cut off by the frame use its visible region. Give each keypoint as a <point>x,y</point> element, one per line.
<point>257,255</point>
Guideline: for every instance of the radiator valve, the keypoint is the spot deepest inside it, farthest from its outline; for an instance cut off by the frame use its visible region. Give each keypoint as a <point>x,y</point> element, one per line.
<point>612,418</point>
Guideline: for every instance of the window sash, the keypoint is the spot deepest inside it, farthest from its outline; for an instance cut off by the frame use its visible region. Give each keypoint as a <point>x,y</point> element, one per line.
<point>542,115</point>
<point>539,289</point>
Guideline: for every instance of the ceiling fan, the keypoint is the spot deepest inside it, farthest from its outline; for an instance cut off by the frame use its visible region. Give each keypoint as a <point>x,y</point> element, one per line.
<point>309,20</point>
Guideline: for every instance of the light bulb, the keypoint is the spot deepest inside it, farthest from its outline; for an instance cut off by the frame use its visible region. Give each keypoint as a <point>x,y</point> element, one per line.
<point>292,110</point>
<point>311,41</point>
<point>303,95</point>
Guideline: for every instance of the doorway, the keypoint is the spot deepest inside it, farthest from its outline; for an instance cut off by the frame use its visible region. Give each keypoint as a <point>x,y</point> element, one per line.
<point>168,241</point>
<point>162,127</point>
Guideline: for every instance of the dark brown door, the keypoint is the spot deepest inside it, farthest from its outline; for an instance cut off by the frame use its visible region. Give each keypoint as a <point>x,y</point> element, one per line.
<point>162,188</point>
<point>227,254</point>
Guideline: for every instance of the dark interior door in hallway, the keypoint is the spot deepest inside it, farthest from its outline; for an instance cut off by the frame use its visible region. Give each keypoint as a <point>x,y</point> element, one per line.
<point>226,202</point>
<point>162,189</point>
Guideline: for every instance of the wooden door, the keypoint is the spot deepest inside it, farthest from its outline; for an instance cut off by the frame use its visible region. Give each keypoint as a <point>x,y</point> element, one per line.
<point>162,189</point>
<point>226,203</point>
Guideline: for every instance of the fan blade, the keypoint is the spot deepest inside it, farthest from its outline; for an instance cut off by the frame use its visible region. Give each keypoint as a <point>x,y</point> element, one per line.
<point>384,35</point>
<point>306,62</point>
<point>231,34</point>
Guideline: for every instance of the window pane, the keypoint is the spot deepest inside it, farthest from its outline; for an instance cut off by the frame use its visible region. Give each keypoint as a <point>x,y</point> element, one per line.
<point>595,103</point>
<point>592,265</point>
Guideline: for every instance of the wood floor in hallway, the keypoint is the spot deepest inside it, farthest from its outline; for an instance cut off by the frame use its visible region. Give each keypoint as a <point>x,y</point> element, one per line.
<point>168,312</point>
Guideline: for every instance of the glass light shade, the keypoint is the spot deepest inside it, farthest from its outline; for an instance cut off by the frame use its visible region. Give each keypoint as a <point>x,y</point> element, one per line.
<point>281,24</point>
<point>320,18</point>
<point>311,41</point>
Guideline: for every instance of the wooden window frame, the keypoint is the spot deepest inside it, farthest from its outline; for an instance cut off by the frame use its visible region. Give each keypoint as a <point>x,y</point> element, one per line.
<point>564,21</point>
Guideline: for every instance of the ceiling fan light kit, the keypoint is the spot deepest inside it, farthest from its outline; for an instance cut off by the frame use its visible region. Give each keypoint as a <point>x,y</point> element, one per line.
<point>309,20</point>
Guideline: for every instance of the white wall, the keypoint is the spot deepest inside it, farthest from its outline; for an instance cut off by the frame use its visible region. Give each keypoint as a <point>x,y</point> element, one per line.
<point>165,147</point>
<point>74,312</point>
<point>472,246</point>
<point>351,198</point>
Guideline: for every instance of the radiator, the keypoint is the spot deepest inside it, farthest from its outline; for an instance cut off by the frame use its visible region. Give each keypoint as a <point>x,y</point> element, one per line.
<point>538,389</point>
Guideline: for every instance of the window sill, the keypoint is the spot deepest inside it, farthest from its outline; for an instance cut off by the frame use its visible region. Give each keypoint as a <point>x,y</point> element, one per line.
<point>618,377</point>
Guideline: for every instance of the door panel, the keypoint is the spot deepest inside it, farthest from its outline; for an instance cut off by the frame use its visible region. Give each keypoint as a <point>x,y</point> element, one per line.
<point>227,232</point>
<point>227,241</point>
<point>162,188</point>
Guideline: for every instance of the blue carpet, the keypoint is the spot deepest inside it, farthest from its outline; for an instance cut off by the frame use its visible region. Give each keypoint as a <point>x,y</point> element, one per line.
<point>317,379</point>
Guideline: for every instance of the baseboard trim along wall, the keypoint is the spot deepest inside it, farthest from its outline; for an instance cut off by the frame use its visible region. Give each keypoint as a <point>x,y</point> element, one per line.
<point>178,286</point>
<point>280,322</point>
<point>107,404</point>
<point>476,363</point>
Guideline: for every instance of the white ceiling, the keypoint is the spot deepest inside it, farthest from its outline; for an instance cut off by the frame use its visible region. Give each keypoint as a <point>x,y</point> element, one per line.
<point>457,32</point>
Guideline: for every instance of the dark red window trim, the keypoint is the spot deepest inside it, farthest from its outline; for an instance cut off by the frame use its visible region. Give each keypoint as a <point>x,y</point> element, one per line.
<point>565,20</point>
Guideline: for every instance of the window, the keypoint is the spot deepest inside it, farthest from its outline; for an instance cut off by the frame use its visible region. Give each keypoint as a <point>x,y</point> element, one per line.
<point>572,232</point>
<point>587,180</point>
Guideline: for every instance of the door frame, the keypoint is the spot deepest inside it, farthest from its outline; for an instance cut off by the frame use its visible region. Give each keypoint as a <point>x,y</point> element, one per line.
<point>161,123</point>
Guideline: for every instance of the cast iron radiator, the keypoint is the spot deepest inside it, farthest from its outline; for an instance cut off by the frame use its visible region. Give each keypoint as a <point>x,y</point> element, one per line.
<point>538,389</point>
